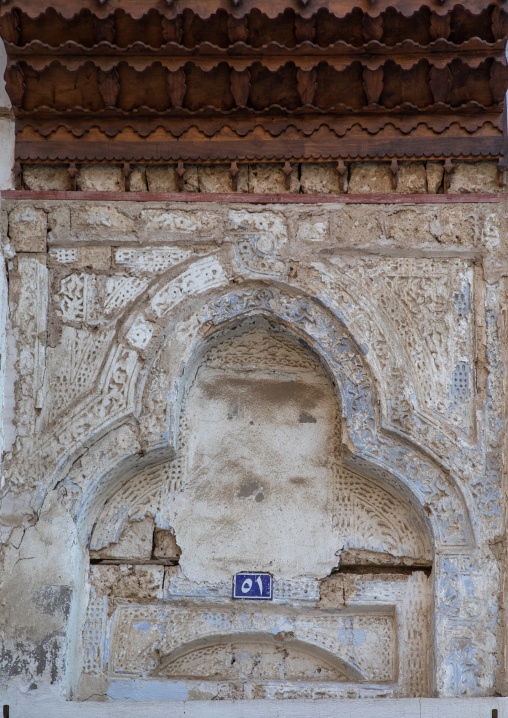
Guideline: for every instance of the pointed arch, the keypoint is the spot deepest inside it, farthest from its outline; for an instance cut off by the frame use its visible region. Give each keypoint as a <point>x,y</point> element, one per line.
<point>369,448</point>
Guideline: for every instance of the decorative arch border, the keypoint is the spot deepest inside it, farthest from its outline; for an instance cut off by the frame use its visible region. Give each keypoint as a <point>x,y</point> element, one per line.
<point>370,449</point>
<point>373,452</point>
<point>143,328</point>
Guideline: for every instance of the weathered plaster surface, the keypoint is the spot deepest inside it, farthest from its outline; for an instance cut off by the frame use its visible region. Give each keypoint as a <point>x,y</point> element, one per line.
<point>161,352</point>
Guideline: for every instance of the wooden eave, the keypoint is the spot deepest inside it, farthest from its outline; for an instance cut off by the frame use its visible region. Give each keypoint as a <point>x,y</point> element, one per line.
<point>247,80</point>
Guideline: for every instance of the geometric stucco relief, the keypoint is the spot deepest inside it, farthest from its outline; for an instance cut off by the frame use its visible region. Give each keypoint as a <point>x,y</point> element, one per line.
<point>428,304</point>
<point>232,375</point>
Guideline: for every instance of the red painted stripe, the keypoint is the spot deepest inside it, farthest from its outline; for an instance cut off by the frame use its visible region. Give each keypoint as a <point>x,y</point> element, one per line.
<point>257,198</point>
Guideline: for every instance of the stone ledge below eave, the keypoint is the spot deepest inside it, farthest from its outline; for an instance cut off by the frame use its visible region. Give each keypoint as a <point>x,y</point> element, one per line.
<point>246,198</point>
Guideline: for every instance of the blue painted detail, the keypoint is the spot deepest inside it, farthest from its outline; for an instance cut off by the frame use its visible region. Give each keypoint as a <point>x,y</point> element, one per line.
<point>38,500</point>
<point>460,382</point>
<point>464,668</point>
<point>463,301</point>
<point>142,626</point>
<point>253,586</point>
<point>352,636</point>
<point>469,586</point>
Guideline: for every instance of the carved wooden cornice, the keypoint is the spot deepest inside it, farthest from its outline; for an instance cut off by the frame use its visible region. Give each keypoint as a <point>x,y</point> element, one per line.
<point>204,9</point>
<point>217,80</point>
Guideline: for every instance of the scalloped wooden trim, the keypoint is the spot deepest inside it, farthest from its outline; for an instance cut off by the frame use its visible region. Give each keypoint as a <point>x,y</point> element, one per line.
<point>339,125</point>
<point>205,8</point>
<point>306,61</point>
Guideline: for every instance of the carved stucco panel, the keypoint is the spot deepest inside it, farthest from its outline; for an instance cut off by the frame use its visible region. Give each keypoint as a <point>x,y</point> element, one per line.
<point>75,300</point>
<point>428,303</point>
<point>100,389</point>
<point>259,239</point>
<point>132,652</point>
<point>151,260</point>
<point>30,319</point>
<point>201,276</point>
<point>466,623</point>
<point>121,290</point>
<point>487,486</point>
<point>73,367</point>
<point>396,382</point>
<point>357,396</point>
<point>431,486</point>
<point>105,376</point>
<point>357,400</point>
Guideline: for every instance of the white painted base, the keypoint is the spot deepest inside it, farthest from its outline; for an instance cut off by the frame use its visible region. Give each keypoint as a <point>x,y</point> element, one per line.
<point>42,705</point>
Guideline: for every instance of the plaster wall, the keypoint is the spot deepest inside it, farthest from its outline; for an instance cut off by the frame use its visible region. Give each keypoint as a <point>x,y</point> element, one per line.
<point>130,327</point>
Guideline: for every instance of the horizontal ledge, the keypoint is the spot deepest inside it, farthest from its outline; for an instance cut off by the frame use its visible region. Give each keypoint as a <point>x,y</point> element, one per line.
<point>54,706</point>
<point>133,562</point>
<point>257,198</point>
<point>364,569</point>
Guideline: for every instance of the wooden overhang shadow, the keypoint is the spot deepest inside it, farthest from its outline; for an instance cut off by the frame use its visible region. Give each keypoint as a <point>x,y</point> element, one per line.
<point>367,447</point>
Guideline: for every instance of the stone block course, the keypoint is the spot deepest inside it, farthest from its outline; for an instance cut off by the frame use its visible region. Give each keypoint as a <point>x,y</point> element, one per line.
<point>165,546</point>
<point>127,582</point>
<point>100,178</point>
<point>435,174</point>
<point>320,179</point>
<point>103,219</point>
<point>27,229</point>
<point>369,177</point>
<point>269,178</point>
<point>135,542</point>
<point>412,178</point>
<point>474,177</point>
<point>162,178</point>
<point>42,178</point>
<point>138,179</point>
<point>215,178</point>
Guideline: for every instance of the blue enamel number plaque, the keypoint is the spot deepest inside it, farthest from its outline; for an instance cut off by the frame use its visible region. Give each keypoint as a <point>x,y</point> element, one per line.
<point>253,586</point>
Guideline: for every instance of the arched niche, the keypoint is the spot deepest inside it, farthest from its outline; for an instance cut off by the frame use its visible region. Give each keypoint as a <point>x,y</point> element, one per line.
<point>167,359</point>
<point>259,438</point>
<point>232,656</point>
<point>259,483</point>
<point>370,448</point>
